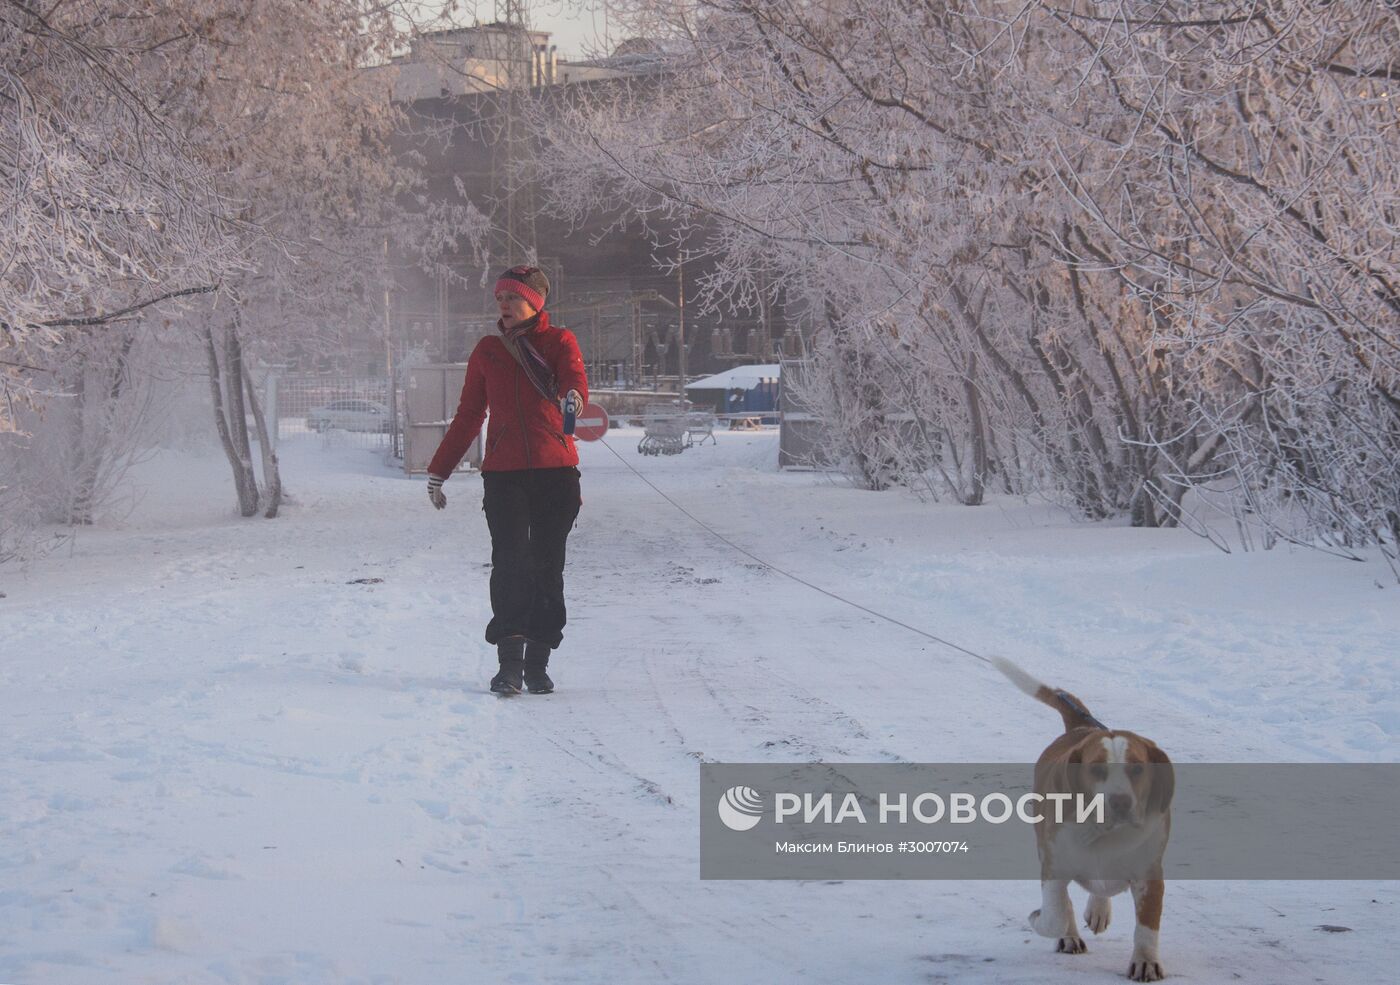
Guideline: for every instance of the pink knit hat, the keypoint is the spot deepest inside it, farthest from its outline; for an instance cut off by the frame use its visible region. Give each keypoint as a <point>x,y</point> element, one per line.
<point>528,282</point>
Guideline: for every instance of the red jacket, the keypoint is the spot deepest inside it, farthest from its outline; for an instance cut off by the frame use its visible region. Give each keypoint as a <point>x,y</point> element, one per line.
<point>526,431</point>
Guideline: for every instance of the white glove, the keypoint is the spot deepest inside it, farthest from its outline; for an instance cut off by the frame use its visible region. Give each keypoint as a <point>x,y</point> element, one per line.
<point>572,400</point>
<point>435,494</point>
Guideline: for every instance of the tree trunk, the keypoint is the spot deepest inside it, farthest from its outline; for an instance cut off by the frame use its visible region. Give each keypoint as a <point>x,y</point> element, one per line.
<point>977,434</point>
<point>1141,512</point>
<point>272,475</point>
<point>96,440</point>
<point>233,391</point>
<point>867,470</point>
<point>239,458</point>
<point>78,440</point>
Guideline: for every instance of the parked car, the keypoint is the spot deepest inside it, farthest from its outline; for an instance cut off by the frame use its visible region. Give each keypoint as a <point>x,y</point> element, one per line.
<point>350,415</point>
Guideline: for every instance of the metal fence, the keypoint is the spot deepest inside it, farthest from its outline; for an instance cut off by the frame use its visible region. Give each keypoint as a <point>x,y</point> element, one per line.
<point>343,408</point>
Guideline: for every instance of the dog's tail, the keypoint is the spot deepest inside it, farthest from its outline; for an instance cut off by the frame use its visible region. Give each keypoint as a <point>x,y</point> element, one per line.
<point>1071,709</point>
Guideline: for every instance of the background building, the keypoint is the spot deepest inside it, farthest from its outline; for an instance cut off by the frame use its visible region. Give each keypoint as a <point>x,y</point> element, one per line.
<point>464,89</point>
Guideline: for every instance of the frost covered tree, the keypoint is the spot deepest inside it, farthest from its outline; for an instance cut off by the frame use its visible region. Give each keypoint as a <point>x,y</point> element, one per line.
<point>212,175</point>
<point>107,210</point>
<point>109,216</point>
<point>858,150</point>
<point>299,133</point>
<point>1139,254</point>
<point>1257,220</point>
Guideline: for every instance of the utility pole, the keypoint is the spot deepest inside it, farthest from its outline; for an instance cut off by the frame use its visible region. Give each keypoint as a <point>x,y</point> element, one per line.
<point>638,343</point>
<point>761,348</point>
<point>394,448</point>
<point>597,346</point>
<point>519,227</point>
<point>680,329</point>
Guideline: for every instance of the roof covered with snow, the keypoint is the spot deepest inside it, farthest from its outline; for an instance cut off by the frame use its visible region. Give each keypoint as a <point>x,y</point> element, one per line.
<point>738,378</point>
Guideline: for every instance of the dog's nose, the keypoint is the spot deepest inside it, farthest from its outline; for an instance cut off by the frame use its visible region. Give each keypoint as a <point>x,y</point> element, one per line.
<point>1120,804</point>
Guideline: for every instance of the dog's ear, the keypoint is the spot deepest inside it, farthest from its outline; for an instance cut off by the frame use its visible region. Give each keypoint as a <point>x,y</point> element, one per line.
<point>1051,776</point>
<point>1074,778</point>
<point>1163,778</point>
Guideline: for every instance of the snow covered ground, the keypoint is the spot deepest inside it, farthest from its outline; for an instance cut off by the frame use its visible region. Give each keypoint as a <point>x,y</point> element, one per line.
<point>228,761</point>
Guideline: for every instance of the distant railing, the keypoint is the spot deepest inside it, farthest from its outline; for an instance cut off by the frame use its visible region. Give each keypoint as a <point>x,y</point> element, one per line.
<point>338,408</point>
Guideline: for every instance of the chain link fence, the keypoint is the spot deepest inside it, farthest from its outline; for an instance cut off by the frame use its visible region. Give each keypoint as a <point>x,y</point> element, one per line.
<point>347,408</point>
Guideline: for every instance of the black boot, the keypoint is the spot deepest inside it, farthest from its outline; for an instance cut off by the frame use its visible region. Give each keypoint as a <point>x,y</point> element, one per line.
<point>511,652</point>
<point>536,660</point>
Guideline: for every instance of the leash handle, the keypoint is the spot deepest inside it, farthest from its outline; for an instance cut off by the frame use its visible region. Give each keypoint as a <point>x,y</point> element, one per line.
<point>570,415</point>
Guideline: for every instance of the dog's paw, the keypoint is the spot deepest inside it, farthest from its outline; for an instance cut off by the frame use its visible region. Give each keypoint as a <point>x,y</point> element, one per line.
<point>1145,970</point>
<point>1044,927</point>
<point>1071,945</point>
<point>1097,913</point>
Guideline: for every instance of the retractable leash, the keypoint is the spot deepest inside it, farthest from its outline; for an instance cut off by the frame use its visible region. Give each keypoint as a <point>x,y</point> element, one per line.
<point>1078,706</point>
<point>787,574</point>
<point>1063,695</point>
<point>571,410</point>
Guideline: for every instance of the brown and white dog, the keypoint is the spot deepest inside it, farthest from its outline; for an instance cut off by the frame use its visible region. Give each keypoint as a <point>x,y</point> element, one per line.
<point>1122,851</point>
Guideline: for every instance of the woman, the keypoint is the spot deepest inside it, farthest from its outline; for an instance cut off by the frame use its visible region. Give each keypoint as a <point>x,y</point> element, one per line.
<point>529,472</point>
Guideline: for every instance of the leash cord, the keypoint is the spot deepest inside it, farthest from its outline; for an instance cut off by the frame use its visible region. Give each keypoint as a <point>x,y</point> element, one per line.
<point>788,574</point>
<point>1078,706</point>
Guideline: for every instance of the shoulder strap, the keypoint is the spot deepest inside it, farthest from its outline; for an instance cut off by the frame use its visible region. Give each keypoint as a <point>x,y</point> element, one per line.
<point>537,370</point>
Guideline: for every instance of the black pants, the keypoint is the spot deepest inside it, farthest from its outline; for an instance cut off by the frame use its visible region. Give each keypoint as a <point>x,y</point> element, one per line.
<point>530,513</point>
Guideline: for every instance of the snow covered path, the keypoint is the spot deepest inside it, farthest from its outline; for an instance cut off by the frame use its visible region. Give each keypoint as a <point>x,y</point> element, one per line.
<point>228,762</point>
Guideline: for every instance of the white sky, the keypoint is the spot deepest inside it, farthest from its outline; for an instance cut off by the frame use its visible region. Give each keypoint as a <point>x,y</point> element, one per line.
<point>579,29</point>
